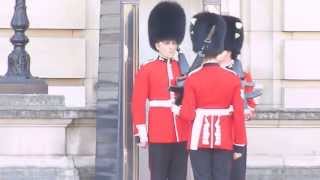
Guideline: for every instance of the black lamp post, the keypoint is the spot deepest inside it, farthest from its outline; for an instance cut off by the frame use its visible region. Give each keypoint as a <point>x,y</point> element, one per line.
<point>18,79</point>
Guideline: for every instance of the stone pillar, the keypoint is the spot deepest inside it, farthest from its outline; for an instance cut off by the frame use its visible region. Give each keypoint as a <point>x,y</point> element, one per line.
<point>109,130</point>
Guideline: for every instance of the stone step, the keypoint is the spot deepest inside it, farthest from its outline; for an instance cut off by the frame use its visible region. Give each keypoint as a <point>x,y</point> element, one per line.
<point>277,173</point>
<point>43,167</point>
<point>264,167</point>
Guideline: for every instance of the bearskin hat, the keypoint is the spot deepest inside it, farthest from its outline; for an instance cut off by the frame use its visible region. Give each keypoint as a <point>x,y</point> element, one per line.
<point>200,26</point>
<point>167,21</point>
<point>234,36</point>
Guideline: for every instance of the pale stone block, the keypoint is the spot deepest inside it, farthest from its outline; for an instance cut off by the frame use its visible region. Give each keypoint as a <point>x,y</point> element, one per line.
<point>48,61</point>
<point>264,161</point>
<point>224,7</point>
<point>300,61</point>
<point>33,137</point>
<point>303,161</point>
<point>44,33</point>
<point>283,123</point>
<point>278,53</point>
<point>305,35</point>
<point>261,15</point>
<point>262,123</point>
<point>245,53</point>
<point>93,14</point>
<point>299,123</point>
<point>289,162</point>
<point>91,95</point>
<point>92,53</point>
<point>301,98</point>
<point>75,96</point>
<point>297,141</point>
<point>277,13</point>
<point>39,167</point>
<point>47,14</point>
<point>246,14</point>
<point>213,8</point>
<point>301,16</point>
<point>277,93</point>
<point>261,54</point>
<point>81,138</point>
<point>234,8</point>
<point>299,83</point>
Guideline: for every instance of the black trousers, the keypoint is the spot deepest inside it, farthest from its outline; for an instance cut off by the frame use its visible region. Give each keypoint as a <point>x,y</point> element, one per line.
<point>209,164</point>
<point>239,167</point>
<point>168,161</point>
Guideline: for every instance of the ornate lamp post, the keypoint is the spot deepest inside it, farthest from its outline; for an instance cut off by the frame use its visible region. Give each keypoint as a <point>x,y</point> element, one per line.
<point>18,79</point>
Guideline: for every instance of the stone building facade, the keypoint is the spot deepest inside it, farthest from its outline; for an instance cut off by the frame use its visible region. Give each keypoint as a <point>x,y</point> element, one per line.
<point>88,51</point>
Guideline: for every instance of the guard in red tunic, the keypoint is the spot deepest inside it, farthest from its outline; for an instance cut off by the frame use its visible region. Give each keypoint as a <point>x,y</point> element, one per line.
<point>212,104</point>
<point>248,88</point>
<point>164,134</point>
<point>233,45</point>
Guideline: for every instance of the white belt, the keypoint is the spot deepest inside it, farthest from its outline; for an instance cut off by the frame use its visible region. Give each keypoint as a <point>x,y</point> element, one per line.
<point>214,112</point>
<point>198,122</point>
<point>165,104</point>
<point>160,103</point>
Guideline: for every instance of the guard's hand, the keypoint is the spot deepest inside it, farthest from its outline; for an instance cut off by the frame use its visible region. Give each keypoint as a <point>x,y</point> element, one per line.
<point>142,137</point>
<point>236,155</point>
<point>238,151</point>
<point>175,109</point>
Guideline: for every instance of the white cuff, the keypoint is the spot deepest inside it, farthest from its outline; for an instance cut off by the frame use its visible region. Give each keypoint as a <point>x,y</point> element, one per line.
<point>142,132</point>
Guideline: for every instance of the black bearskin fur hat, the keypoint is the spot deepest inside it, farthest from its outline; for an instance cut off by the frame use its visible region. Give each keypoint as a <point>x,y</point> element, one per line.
<point>234,36</point>
<point>167,21</point>
<point>200,27</point>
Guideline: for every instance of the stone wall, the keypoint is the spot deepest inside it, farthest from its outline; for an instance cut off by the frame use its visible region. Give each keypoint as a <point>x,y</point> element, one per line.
<point>109,150</point>
<point>46,142</point>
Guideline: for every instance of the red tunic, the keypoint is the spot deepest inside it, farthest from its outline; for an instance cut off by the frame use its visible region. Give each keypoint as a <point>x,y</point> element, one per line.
<point>249,89</point>
<point>152,83</point>
<point>216,89</point>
